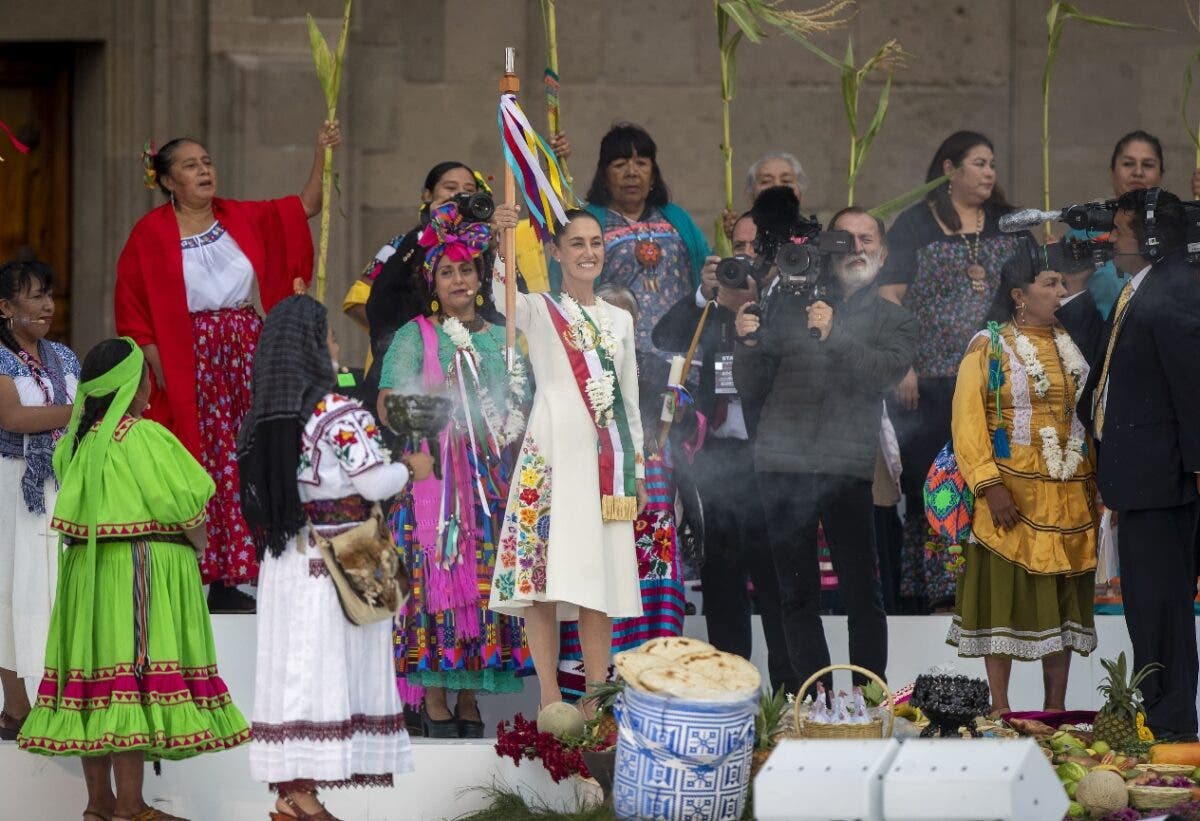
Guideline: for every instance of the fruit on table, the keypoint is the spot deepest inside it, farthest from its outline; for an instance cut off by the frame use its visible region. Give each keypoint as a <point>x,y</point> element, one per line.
<point>1075,810</point>
<point>560,720</point>
<point>1116,723</point>
<point>1102,791</point>
<point>1070,771</point>
<point>1100,748</point>
<point>1187,753</point>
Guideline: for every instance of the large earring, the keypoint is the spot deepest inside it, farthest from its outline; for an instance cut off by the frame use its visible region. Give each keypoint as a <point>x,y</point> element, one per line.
<point>949,187</point>
<point>172,199</point>
<point>435,306</point>
<point>479,300</point>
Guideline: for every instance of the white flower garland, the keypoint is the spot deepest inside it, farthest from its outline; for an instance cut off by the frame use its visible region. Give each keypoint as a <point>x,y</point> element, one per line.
<point>600,389</point>
<point>1061,463</point>
<point>509,428</point>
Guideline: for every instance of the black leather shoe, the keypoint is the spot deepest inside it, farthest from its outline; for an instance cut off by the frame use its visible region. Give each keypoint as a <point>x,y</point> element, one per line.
<point>438,728</point>
<point>468,728</point>
<point>225,599</point>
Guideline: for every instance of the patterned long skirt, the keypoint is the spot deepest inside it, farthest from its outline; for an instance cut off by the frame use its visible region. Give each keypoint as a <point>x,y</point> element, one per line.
<point>460,648</point>
<point>660,573</point>
<point>225,341</point>
<point>154,684</point>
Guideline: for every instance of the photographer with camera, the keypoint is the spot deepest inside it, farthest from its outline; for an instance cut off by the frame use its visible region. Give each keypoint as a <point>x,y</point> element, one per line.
<point>735,532</point>
<point>1140,403</point>
<point>820,363</point>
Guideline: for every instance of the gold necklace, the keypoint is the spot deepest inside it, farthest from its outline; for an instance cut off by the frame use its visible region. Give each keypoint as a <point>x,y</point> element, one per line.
<point>976,273</point>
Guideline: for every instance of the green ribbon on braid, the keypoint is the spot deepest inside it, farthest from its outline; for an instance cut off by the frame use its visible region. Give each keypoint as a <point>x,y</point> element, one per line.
<point>123,380</point>
<point>1000,444</point>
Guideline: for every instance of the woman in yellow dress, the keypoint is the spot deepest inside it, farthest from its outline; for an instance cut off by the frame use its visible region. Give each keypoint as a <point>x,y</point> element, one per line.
<point>1027,584</point>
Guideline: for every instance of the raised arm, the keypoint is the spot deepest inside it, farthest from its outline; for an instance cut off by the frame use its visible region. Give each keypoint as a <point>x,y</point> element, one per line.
<point>330,136</point>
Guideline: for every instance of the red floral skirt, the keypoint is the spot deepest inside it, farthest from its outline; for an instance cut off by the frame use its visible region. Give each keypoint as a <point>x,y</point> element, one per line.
<point>224,343</point>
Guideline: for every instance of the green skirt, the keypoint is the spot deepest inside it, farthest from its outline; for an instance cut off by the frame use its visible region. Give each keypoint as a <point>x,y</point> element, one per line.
<point>153,685</point>
<point>1001,609</point>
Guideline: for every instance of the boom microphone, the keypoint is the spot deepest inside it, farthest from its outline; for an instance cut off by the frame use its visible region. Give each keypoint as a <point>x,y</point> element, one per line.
<point>1027,218</point>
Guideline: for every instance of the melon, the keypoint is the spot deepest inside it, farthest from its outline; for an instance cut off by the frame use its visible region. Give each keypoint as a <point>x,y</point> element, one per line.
<point>561,720</point>
<point>1101,792</point>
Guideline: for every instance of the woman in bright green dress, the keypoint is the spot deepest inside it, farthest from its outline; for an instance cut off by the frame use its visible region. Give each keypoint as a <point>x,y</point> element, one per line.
<point>131,670</point>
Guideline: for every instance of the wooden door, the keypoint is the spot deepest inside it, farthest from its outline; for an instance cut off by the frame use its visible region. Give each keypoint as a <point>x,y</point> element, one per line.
<point>35,188</point>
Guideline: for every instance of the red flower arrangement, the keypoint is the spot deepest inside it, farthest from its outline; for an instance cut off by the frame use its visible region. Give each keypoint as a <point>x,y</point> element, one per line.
<point>562,759</point>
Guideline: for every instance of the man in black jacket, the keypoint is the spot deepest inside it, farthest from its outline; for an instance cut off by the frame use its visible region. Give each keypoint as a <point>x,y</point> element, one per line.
<point>818,439</point>
<point>735,530</point>
<point>1141,403</point>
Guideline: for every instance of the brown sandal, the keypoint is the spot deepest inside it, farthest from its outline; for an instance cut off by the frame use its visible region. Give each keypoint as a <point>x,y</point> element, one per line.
<point>10,733</point>
<point>149,814</point>
<point>97,814</point>
<point>300,814</point>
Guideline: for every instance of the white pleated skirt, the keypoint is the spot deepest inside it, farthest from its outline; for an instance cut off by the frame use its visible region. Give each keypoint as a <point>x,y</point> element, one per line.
<point>326,707</point>
<point>28,573</point>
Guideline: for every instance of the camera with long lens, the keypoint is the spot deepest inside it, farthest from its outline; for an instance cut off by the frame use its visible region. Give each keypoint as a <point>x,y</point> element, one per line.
<point>792,244</point>
<point>474,207</point>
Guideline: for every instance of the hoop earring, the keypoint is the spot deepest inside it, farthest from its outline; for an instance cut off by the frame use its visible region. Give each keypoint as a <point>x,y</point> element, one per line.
<point>479,300</point>
<point>435,306</point>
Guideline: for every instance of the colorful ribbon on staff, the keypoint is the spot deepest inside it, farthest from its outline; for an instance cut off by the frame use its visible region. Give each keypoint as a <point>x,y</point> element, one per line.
<point>546,193</point>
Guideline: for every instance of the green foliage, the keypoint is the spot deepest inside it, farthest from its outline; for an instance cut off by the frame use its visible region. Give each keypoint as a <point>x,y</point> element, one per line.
<point>1057,17</point>
<point>509,805</point>
<point>768,722</point>
<point>751,20</point>
<point>896,204</point>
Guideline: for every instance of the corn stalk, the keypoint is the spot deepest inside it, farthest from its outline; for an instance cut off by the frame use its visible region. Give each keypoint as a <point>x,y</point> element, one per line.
<point>553,115</point>
<point>1194,17</point>
<point>886,60</point>
<point>751,19</point>
<point>329,73</point>
<point>1056,20</point>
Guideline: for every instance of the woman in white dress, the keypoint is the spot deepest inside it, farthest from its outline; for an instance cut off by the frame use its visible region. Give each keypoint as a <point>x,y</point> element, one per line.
<point>582,452</point>
<point>37,387</point>
<point>326,709</point>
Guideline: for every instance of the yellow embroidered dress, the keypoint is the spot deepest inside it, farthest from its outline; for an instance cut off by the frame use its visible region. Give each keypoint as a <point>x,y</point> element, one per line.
<point>1026,592</point>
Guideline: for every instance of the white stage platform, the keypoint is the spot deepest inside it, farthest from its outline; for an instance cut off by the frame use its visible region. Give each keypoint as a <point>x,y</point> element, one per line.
<point>218,786</point>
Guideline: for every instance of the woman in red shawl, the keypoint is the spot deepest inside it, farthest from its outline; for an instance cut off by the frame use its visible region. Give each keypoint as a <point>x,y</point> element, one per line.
<point>185,292</point>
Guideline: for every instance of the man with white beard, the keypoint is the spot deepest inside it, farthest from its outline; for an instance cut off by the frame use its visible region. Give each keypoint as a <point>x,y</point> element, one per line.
<point>818,438</point>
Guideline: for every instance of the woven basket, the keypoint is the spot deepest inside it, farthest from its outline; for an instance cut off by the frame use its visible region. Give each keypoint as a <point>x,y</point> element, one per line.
<point>1165,769</point>
<point>871,729</point>
<point>1158,798</point>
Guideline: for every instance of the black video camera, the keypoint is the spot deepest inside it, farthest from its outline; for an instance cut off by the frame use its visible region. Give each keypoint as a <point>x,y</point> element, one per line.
<point>474,207</point>
<point>794,245</point>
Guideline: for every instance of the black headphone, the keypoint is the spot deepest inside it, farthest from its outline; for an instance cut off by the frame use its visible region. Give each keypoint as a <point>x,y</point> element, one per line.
<point>1151,246</point>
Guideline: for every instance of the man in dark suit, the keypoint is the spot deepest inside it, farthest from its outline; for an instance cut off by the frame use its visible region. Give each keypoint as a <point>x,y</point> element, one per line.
<point>735,528</point>
<point>1141,403</point>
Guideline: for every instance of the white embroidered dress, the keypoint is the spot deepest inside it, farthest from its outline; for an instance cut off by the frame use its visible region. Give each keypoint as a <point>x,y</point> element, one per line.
<point>28,547</point>
<point>567,554</point>
<point>326,706</point>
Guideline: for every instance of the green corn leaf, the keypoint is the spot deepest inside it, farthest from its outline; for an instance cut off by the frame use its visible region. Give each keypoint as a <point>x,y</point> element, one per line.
<point>876,121</point>
<point>850,100</point>
<point>886,210</point>
<point>322,58</point>
<point>741,13</point>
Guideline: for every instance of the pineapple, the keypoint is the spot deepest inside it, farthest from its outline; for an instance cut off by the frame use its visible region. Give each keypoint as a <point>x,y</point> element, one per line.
<point>602,729</point>
<point>1116,723</point>
<point>768,725</point>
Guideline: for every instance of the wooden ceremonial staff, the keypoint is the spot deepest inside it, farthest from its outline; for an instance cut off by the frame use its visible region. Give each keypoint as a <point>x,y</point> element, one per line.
<point>665,427</point>
<point>510,84</point>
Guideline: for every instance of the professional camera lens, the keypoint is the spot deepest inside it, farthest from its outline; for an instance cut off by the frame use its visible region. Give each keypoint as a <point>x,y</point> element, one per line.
<point>1089,217</point>
<point>477,207</point>
<point>735,272</point>
<point>795,260</point>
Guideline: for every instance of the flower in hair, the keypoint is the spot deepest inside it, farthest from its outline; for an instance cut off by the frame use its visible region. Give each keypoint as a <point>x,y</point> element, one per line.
<point>149,175</point>
<point>447,234</point>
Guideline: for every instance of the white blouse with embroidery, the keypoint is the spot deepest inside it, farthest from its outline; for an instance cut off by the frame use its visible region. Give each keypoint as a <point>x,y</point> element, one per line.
<point>216,273</point>
<point>342,454</point>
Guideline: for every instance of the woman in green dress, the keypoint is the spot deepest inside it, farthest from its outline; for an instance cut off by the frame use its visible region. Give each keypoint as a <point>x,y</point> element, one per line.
<point>130,666</point>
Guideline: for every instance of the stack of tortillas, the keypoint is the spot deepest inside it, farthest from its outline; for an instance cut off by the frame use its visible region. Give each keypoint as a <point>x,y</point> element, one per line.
<point>688,669</point>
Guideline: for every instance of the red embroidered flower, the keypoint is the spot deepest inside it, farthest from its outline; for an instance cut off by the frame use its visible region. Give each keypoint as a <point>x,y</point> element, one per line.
<point>529,496</point>
<point>345,436</point>
<point>320,409</point>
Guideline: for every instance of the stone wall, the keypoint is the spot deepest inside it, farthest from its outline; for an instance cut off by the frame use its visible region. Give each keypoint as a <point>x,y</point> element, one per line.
<point>420,87</point>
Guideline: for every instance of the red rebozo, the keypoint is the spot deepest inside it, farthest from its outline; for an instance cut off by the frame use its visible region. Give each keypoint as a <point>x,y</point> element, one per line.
<point>151,302</point>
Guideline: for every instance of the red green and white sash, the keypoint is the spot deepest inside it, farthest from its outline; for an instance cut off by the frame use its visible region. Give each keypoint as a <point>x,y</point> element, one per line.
<point>617,457</point>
